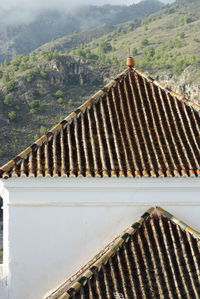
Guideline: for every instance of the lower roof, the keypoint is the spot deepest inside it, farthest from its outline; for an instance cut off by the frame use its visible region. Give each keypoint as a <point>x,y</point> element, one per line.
<point>156,257</point>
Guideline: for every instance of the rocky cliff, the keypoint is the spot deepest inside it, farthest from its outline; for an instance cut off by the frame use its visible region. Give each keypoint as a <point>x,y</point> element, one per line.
<point>187,84</point>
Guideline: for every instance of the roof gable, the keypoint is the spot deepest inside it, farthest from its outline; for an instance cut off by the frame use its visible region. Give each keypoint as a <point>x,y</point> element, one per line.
<point>157,257</point>
<point>132,127</point>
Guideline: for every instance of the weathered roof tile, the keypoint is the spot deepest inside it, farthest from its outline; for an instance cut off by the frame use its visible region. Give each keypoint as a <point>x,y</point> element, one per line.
<point>133,127</point>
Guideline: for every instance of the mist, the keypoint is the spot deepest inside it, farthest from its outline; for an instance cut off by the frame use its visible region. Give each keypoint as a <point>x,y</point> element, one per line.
<point>23,11</point>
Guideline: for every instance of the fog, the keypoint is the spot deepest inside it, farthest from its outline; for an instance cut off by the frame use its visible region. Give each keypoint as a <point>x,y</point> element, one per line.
<point>34,5</point>
<point>44,4</point>
<point>22,11</point>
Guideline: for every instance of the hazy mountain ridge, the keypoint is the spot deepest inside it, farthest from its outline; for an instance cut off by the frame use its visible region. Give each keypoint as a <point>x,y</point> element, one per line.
<point>52,24</point>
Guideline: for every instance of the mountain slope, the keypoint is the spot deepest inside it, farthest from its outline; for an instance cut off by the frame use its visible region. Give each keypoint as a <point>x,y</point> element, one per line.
<point>25,37</point>
<point>44,89</point>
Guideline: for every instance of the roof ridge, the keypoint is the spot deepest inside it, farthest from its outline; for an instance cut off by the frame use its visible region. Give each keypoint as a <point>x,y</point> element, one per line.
<point>164,87</point>
<point>70,287</point>
<point>179,222</point>
<point>55,128</point>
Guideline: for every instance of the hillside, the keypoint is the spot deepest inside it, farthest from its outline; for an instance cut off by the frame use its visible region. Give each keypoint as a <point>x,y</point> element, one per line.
<point>24,37</point>
<point>168,39</point>
<point>38,90</point>
<point>165,44</point>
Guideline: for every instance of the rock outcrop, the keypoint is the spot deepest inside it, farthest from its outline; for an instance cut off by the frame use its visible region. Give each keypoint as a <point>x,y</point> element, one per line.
<point>186,84</point>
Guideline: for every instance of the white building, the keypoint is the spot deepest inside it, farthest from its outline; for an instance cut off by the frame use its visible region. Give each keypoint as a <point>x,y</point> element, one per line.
<point>132,146</point>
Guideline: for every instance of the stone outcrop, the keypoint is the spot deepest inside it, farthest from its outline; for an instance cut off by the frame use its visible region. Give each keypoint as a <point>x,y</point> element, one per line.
<point>186,84</point>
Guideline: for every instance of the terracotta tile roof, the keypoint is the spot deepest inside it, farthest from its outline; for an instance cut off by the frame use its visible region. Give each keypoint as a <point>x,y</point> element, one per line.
<point>133,127</point>
<point>157,257</point>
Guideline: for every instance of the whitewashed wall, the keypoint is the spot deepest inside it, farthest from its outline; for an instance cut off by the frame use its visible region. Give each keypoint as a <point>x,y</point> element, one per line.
<point>53,226</point>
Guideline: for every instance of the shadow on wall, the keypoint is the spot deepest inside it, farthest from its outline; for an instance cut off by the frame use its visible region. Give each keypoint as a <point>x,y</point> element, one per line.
<point>1,230</point>
<point>1,211</point>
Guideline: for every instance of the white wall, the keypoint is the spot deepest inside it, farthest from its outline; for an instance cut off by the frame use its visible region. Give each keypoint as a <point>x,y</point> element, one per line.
<point>53,226</point>
<point>3,287</point>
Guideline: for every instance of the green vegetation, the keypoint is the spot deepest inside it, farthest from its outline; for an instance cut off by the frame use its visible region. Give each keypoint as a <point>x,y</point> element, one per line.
<point>60,100</point>
<point>8,100</point>
<point>30,75</point>
<point>153,57</point>
<point>43,73</point>
<point>42,130</point>
<point>134,51</point>
<point>144,42</point>
<point>59,93</point>
<point>182,34</point>
<point>1,153</point>
<point>32,111</point>
<point>34,104</point>
<point>70,102</point>
<point>85,53</point>
<point>10,86</point>
<point>104,47</point>
<point>133,25</point>
<point>12,115</point>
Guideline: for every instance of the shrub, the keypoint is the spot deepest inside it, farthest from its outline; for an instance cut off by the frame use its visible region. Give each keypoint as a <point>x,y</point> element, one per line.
<point>42,130</point>
<point>6,77</point>
<point>70,102</point>
<point>12,115</point>
<point>41,108</point>
<point>135,24</point>
<point>144,42</point>
<point>17,60</point>
<point>149,52</point>
<point>23,66</point>
<point>10,86</point>
<point>43,73</point>
<point>59,93</point>
<point>188,20</point>
<point>30,75</point>
<point>32,111</point>
<point>104,47</point>
<point>34,103</point>
<point>60,101</point>
<point>145,27</point>
<point>181,63</point>
<point>35,137</point>
<point>6,62</point>
<point>8,100</point>
<point>169,11</point>
<point>134,52</point>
